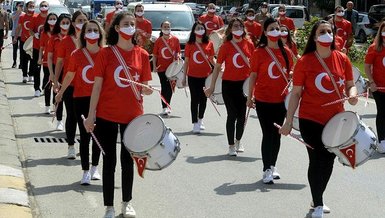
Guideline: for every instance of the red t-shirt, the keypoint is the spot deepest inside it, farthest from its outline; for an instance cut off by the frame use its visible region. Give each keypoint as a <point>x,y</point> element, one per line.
<point>317,86</point>
<point>163,55</point>
<point>117,101</point>
<point>197,65</point>
<point>84,78</point>
<point>65,49</point>
<point>287,22</point>
<point>26,22</point>
<point>270,82</point>
<point>37,27</point>
<point>142,27</point>
<point>53,45</point>
<point>44,40</point>
<point>211,22</point>
<point>344,29</point>
<point>338,42</point>
<point>235,67</point>
<point>377,59</point>
<point>293,50</point>
<point>254,29</point>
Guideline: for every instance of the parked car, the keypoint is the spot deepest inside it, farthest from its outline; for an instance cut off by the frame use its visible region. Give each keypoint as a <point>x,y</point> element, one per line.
<point>296,12</point>
<point>365,27</point>
<point>197,9</point>
<point>377,12</point>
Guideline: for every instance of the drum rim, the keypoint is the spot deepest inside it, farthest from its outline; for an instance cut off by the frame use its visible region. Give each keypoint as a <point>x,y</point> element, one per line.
<point>174,75</point>
<point>211,75</point>
<point>30,40</point>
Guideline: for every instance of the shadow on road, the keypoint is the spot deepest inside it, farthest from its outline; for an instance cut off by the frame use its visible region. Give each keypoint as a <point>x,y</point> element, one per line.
<point>62,161</point>
<point>200,134</point>
<point>26,98</point>
<point>224,157</point>
<point>76,187</point>
<point>31,115</point>
<point>232,189</point>
<point>50,133</point>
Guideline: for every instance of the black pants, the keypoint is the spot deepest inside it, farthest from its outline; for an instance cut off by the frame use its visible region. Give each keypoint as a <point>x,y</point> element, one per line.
<point>70,125</point>
<point>198,98</point>
<point>235,103</point>
<point>1,40</point>
<point>82,105</point>
<point>15,47</point>
<point>320,160</point>
<point>36,69</point>
<point>166,89</point>
<point>107,133</point>
<point>59,110</point>
<point>379,97</point>
<point>47,87</point>
<point>268,114</point>
<point>24,59</point>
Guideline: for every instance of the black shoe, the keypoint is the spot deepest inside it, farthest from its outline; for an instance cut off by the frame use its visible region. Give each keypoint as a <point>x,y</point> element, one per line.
<point>14,65</point>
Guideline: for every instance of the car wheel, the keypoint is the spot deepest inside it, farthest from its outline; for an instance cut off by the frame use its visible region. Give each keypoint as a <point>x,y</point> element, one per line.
<point>362,36</point>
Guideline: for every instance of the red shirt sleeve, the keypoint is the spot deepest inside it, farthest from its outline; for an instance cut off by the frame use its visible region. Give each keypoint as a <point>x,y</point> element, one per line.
<point>61,51</point>
<point>146,67</point>
<point>254,62</point>
<point>370,55</point>
<point>187,50</point>
<point>72,66</point>
<point>299,74</point>
<point>222,54</point>
<point>100,63</point>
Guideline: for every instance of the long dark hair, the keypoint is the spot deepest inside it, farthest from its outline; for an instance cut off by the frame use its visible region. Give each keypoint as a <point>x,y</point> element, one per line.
<point>82,40</point>
<point>161,33</point>
<point>290,41</point>
<point>311,44</point>
<point>192,38</point>
<point>229,34</point>
<point>72,29</point>
<point>378,40</point>
<point>113,35</point>
<point>47,27</point>
<point>263,41</point>
<point>56,28</point>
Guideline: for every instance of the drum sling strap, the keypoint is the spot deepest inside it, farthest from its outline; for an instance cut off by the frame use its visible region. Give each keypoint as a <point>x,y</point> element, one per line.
<point>275,59</point>
<point>203,54</point>
<point>88,56</point>
<point>326,68</point>
<point>172,82</point>
<point>241,53</point>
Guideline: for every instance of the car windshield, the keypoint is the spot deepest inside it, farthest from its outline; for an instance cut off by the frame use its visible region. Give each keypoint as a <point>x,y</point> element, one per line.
<point>180,20</point>
<point>294,13</point>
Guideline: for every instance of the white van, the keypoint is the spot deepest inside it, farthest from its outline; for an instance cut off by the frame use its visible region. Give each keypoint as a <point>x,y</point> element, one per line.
<point>298,13</point>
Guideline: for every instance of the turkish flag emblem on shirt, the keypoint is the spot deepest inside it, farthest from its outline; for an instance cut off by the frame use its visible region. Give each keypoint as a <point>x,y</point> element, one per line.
<point>140,164</point>
<point>350,154</point>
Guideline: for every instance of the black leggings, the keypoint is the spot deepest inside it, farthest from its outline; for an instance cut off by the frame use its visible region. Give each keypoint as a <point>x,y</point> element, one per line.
<point>59,110</point>
<point>70,125</point>
<point>235,103</point>
<point>107,133</point>
<point>166,89</point>
<point>379,97</point>
<point>15,47</point>
<point>198,98</point>
<point>24,59</point>
<point>82,105</point>
<point>36,69</point>
<point>320,160</point>
<point>268,114</point>
<point>47,87</point>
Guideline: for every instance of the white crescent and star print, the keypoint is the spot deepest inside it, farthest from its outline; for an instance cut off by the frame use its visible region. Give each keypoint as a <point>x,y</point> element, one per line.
<point>117,77</point>
<point>321,88</point>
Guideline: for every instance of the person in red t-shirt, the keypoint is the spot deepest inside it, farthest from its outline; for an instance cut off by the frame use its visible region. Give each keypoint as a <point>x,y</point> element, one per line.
<point>254,29</point>
<point>143,28</point>
<point>115,103</point>
<point>375,71</point>
<point>235,53</point>
<point>283,20</point>
<point>343,27</point>
<point>110,16</point>
<point>312,87</point>
<point>268,80</point>
<point>198,67</point>
<point>288,41</point>
<point>45,37</point>
<point>24,27</point>
<point>80,72</point>
<point>338,41</point>
<point>210,20</point>
<point>59,31</point>
<point>166,50</point>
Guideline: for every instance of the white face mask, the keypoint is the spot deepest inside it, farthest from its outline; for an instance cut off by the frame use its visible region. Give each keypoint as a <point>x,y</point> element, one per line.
<point>51,22</point>
<point>128,30</point>
<point>264,10</point>
<point>211,10</point>
<point>118,6</point>
<point>340,14</point>
<point>199,32</point>
<point>139,14</point>
<point>31,9</point>
<point>79,26</point>
<point>284,33</point>
<point>251,17</point>
<point>65,26</point>
<point>274,33</point>
<point>237,32</point>
<point>92,35</point>
<point>282,13</point>
<point>382,33</point>
<point>166,31</point>
<point>325,38</point>
<point>43,9</point>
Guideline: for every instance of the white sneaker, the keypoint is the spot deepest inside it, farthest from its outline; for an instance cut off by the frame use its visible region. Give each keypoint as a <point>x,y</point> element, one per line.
<point>37,93</point>
<point>168,111</point>
<point>381,147</point>
<point>86,180</point>
<point>71,152</point>
<point>60,125</point>
<point>239,146</point>
<point>201,125</point>
<point>95,173</point>
<point>275,172</point>
<point>127,210</point>
<point>196,128</point>
<point>30,79</point>
<point>232,151</point>
<point>318,212</point>
<point>164,112</point>
<point>25,79</point>
<point>326,208</point>
<point>47,109</point>
<point>110,212</point>
<point>268,177</point>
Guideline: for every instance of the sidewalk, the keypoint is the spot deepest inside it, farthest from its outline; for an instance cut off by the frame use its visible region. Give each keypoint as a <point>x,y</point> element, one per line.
<point>14,201</point>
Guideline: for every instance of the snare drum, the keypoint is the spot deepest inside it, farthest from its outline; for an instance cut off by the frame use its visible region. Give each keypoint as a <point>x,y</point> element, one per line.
<point>246,86</point>
<point>349,138</point>
<point>28,46</point>
<point>296,116</point>
<point>217,39</point>
<point>175,72</point>
<point>359,81</point>
<point>147,135</point>
<point>216,97</point>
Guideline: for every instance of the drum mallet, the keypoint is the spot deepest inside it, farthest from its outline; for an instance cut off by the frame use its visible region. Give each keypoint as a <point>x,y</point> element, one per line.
<point>94,137</point>
<point>291,135</point>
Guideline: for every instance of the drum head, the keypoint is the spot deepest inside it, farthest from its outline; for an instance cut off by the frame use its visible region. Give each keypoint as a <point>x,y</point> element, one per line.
<point>340,129</point>
<point>28,44</point>
<point>218,83</point>
<point>217,40</point>
<point>356,74</point>
<point>174,68</point>
<point>143,133</point>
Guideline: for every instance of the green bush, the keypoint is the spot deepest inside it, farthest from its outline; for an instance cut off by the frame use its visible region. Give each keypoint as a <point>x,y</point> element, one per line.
<point>303,34</point>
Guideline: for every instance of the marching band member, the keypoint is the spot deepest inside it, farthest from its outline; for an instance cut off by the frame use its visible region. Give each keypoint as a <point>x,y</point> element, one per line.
<point>320,76</point>
<point>375,69</point>
<point>211,20</point>
<point>143,26</point>
<point>60,30</point>
<point>45,36</point>
<point>81,61</point>
<point>263,14</point>
<point>287,21</point>
<point>234,52</point>
<point>254,29</point>
<point>197,71</point>
<point>4,24</point>
<point>343,27</point>
<point>288,40</point>
<point>338,41</point>
<point>166,50</point>
<point>268,83</point>
<point>110,99</point>
<point>15,20</point>
<point>65,49</point>
<point>109,16</point>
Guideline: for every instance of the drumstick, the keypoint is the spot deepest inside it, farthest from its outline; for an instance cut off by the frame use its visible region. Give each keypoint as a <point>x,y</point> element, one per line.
<point>246,118</point>
<point>367,97</point>
<point>185,91</point>
<point>54,111</point>
<point>212,102</point>
<point>49,82</point>
<point>286,87</point>
<point>6,45</point>
<point>291,135</point>
<point>94,137</point>
<point>343,99</point>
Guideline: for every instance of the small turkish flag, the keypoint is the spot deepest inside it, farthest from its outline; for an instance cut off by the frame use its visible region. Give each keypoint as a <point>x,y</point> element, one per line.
<point>140,164</point>
<point>350,154</point>
<point>173,84</point>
